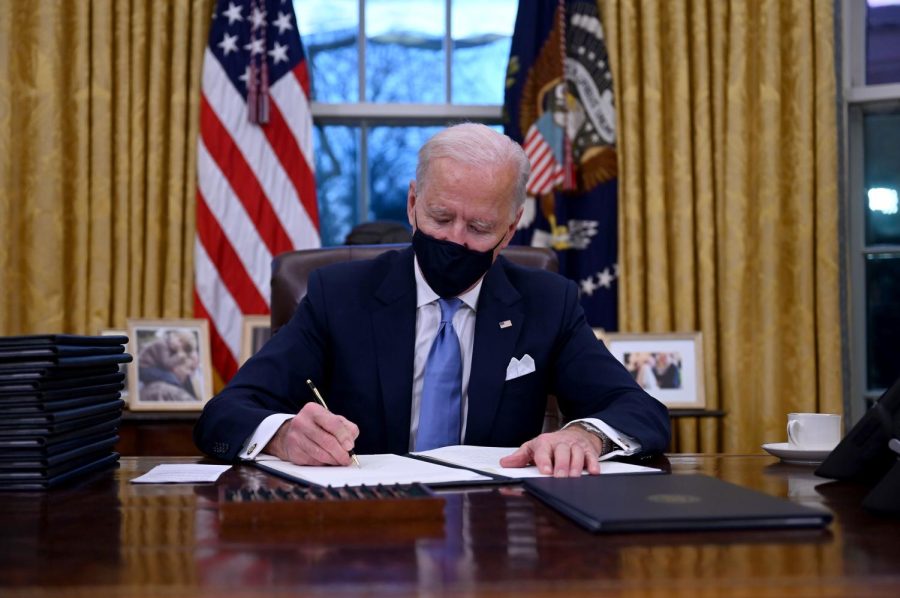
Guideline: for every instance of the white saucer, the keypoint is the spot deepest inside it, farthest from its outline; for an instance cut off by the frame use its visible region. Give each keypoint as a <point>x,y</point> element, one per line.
<point>790,454</point>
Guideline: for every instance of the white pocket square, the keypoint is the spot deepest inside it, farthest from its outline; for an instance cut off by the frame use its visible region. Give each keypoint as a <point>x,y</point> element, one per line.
<point>519,367</point>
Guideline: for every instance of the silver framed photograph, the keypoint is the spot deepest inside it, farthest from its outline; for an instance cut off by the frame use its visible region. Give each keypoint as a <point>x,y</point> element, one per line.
<point>669,366</point>
<point>172,369</point>
<point>255,332</point>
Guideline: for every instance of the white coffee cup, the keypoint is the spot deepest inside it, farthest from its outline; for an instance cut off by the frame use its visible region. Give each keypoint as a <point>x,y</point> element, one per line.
<point>814,431</point>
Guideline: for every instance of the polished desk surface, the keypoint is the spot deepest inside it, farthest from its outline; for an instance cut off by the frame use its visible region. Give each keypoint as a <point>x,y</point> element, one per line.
<point>107,537</point>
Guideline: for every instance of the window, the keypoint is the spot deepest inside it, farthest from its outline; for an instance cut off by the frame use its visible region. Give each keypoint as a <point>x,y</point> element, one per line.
<point>882,42</point>
<point>386,75</point>
<point>871,99</point>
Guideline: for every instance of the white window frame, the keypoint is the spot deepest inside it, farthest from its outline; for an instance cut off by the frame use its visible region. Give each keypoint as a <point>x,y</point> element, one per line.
<point>364,114</point>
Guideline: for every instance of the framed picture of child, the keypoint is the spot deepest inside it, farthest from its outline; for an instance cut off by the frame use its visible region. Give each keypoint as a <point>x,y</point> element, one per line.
<point>171,369</point>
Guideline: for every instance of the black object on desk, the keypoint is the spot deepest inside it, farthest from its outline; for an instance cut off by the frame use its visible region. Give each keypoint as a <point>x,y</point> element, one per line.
<point>885,496</point>
<point>628,503</point>
<point>60,403</point>
<point>863,454</point>
<point>287,506</point>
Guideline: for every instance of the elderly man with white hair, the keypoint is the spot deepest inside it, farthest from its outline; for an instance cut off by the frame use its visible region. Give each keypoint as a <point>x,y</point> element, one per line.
<point>443,343</point>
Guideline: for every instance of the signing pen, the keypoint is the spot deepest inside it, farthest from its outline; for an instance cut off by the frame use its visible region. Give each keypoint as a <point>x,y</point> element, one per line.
<point>322,403</point>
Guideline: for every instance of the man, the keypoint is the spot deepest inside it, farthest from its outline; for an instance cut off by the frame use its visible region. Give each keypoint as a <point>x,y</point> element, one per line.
<point>442,343</point>
<point>666,371</point>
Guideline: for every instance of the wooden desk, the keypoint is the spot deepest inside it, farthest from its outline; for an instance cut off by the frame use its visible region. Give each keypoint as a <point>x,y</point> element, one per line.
<point>107,537</point>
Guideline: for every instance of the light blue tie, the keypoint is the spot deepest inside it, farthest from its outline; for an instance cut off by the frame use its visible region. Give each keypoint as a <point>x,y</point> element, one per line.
<point>440,412</point>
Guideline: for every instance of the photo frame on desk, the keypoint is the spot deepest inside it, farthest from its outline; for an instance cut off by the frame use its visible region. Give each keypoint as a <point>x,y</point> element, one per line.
<point>123,367</point>
<point>172,369</point>
<point>669,366</point>
<point>255,332</point>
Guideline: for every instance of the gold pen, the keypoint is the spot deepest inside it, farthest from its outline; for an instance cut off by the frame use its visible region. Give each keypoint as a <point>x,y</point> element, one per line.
<point>322,403</point>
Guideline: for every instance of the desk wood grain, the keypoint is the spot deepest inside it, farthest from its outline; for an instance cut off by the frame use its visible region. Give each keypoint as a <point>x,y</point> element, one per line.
<point>107,537</point>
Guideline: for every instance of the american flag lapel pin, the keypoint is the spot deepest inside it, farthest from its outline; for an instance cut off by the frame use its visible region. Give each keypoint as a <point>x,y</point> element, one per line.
<point>506,324</point>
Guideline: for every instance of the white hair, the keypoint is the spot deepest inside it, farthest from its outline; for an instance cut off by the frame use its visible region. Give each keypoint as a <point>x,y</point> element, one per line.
<point>476,145</point>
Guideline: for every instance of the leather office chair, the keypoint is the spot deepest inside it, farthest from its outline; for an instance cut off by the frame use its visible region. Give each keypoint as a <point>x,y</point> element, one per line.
<point>290,272</point>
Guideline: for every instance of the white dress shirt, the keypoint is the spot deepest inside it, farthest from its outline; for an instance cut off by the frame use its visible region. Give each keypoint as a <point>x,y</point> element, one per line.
<point>428,318</point>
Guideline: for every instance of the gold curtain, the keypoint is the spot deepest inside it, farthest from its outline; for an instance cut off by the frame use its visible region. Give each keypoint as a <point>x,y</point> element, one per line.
<point>98,121</point>
<point>728,201</point>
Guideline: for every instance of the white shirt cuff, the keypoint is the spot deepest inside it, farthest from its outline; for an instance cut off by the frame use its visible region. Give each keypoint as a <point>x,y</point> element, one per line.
<point>262,435</point>
<point>627,445</point>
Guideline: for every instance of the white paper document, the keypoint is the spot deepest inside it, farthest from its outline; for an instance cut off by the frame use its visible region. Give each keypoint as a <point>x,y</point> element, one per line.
<point>373,470</point>
<point>175,473</point>
<point>487,459</point>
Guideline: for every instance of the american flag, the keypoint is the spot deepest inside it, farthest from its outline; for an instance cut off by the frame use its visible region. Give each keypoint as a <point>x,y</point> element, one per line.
<point>256,192</point>
<point>547,172</point>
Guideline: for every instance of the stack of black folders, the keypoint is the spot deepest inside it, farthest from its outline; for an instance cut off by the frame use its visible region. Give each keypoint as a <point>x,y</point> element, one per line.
<point>60,407</point>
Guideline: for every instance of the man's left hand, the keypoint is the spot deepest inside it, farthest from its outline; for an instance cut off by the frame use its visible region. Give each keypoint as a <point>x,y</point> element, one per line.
<point>563,454</point>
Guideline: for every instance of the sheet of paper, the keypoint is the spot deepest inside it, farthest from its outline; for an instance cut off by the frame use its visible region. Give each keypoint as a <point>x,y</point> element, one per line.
<point>373,470</point>
<point>487,459</point>
<point>181,473</point>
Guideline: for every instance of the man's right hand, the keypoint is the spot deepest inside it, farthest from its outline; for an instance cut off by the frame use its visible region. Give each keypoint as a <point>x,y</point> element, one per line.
<point>314,436</point>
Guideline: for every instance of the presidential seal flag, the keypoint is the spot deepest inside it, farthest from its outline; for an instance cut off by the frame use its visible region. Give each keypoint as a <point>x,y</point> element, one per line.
<point>559,106</point>
<point>256,192</point>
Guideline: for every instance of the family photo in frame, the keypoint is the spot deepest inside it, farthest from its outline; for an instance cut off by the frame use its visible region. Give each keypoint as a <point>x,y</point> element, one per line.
<point>668,366</point>
<point>171,369</point>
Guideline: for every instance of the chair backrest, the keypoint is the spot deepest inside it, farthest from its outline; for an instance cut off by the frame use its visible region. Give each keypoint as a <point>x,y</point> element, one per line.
<point>290,271</point>
<point>378,232</point>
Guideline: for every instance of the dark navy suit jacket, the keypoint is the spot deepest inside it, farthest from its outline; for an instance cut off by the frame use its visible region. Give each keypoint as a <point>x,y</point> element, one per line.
<point>353,335</point>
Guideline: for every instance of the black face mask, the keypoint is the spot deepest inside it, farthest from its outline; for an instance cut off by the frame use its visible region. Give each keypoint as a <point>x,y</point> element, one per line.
<point>450,268</point>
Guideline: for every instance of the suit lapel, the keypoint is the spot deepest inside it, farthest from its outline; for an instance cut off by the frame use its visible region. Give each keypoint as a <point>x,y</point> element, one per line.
<point>499,301</point>
<point>394,322</point>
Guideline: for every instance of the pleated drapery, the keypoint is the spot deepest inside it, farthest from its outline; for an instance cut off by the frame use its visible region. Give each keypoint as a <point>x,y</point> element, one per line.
<point>728,196</point>
<point>98,121</point>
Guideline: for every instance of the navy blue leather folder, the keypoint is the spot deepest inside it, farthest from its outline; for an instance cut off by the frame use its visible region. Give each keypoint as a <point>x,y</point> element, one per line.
<point>644,503</point>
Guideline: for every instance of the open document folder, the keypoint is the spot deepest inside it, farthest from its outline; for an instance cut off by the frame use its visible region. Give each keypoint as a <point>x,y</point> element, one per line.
<point>450,465</point>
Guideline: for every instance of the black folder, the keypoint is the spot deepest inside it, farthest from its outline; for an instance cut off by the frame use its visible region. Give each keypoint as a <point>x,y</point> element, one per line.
<point>43,473</point>
<point>16,461</point>
<point>57,394</point>
<point>43,340</point>
<point>629,503</point>
<point>15,409</point>
<point>19,449</point>
<point>82,469</point>
<point>44,420</point>
<point>43,385</point>
<point>25,353</point>
<point>49,434</point>
<point>53,363</point>
<point>41,376</point>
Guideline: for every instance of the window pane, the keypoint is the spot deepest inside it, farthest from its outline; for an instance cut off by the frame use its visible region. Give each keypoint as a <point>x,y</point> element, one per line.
<point>882,42</point>
<point>882,320</point>
<point>337,181</point>
<point>882,178</point>
<point>482,34</point>
<point>392,165</point>
<point>405,51</point>
<point>329,30</point>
